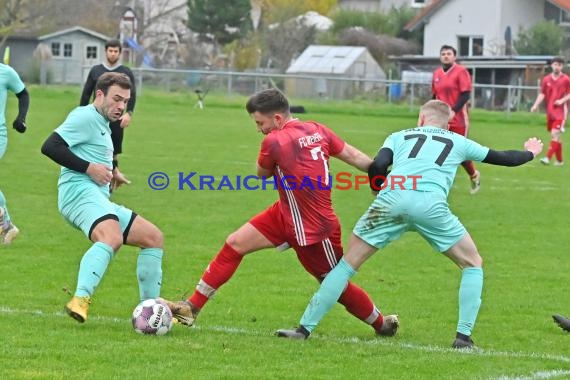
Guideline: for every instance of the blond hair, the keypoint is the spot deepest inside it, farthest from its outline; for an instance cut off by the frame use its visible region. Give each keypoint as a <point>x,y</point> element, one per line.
<point>436,113</point>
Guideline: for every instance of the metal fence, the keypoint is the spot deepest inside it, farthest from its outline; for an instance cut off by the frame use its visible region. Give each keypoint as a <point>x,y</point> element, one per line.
<point>506,98</point>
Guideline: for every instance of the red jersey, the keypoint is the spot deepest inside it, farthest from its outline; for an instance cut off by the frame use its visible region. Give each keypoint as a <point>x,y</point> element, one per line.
<point>554,89</point>
<point>447,86</point>
<point>298,154</point>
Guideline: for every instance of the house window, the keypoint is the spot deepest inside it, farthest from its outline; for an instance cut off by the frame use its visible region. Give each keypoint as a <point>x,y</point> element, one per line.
<point>55,49</point>
<point>91,52</point>
<point>418,3</point>
<point>67,50</point>
<point>470,46</point>
<point>564,17</point>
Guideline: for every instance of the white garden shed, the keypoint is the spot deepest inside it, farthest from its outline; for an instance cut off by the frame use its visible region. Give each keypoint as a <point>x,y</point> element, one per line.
<point>327,71</point>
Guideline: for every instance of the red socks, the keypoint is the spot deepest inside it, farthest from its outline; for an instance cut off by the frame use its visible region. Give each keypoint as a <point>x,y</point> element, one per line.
<point>218,272</point>
<point>358,303</point>
<point>555,149</point>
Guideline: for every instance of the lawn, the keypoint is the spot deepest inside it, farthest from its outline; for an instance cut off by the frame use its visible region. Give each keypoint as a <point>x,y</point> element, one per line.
<point>518,221</point>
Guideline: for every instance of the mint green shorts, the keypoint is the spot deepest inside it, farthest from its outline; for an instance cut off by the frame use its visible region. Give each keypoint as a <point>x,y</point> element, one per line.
<point>84,206</point>
<point>394,212</point>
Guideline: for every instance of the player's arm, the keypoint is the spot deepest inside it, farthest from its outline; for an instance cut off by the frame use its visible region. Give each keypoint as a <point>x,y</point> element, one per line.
<point>537,102</point>
<point>463,98</point>
<point>562,100</point>
<point>88,88</point>
<point>539,98</point>
<point>56,148</point>
<point>378,170</point>
<point>533,147</point>
<point>23,105</point>
<point>264,172</point>
<point>354,157</point>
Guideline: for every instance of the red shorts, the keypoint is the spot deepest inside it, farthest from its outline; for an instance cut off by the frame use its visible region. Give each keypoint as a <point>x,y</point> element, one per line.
<point>459,129</point>
<point>555,124</point>
<point>318,259</point>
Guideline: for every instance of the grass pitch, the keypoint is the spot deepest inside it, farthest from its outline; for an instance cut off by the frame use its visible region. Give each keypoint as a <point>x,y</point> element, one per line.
<point>518,220</point>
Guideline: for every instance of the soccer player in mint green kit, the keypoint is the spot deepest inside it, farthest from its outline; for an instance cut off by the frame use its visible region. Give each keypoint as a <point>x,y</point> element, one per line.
<point>10,81</point>
<point>82,146</point>
<point>428,157</point>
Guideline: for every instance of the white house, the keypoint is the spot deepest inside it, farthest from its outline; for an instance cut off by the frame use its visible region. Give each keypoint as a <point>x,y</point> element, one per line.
<point>380,5</point>
<point>483,27</point>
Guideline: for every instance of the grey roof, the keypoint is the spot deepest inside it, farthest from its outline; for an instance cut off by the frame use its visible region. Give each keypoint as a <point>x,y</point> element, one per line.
<point>324,59</point>
<point>75,29</point>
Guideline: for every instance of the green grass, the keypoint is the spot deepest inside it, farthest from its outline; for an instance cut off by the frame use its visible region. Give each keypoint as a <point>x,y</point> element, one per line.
<point>519,221</point>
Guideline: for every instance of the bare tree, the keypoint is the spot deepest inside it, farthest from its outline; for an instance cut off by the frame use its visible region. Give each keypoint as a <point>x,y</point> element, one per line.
<point>380,46</point>
<point>11,18</point>
<point>287,40</point>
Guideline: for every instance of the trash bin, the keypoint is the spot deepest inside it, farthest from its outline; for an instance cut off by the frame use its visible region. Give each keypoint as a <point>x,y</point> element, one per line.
<point>396,90</point>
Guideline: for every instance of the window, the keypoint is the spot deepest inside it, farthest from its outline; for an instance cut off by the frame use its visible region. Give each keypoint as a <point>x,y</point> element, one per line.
<point>418,3</point>
<point>91,52</point>
<point>564,17</point>
<point>55,49</point>
<point>67,50</point>
<point>470,46</point>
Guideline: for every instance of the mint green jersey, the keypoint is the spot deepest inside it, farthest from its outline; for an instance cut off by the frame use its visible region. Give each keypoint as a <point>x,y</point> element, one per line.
<point>426,158</point>
<point>88,135</point>
<point>9,81</point>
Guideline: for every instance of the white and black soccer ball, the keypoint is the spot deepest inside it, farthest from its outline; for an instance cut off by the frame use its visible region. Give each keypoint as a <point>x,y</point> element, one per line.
<point>152,317</point>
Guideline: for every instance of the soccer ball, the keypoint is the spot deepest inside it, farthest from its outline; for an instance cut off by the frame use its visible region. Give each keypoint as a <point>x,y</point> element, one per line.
<point>152,317</point>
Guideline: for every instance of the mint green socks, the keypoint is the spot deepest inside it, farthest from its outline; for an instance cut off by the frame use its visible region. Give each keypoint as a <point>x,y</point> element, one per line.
<point>469,299</point>
<point>92,268</point>
<point>149,272</point>
<point>328,294</point>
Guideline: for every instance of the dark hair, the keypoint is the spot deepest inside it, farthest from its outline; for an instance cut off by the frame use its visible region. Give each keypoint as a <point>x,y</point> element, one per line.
<point>557,60</point>
<point>268,101</point>
<point>114,43</point>
<point>448,47</point>
<point>113,79</point>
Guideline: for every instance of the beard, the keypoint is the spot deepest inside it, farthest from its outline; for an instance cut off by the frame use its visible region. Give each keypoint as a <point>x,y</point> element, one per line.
<point>113,60</point>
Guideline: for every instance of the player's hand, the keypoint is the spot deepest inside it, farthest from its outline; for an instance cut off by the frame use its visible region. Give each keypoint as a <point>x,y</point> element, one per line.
<point>559,102</point>
<point>100,173</point>
<point>534,146</point>
<point>118,180</point>
<point>19,125</point>
<point>125,120</point>
<point>533,108</point>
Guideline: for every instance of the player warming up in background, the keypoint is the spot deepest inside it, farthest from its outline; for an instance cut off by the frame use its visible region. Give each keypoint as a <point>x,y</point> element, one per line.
<point>82,146</point>
<point>112,54</point>
<point>555,90</point>
<point>296,152</point>
<point>432,154</point>
<point>451,83</point>
<point>10,81</point>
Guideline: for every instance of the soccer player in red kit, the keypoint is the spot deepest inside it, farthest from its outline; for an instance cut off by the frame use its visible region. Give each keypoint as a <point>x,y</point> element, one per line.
<point>296,153</point>
<point>555,90</point>
<point>451,83</point>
